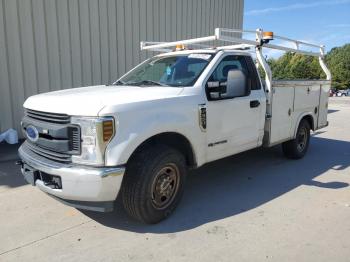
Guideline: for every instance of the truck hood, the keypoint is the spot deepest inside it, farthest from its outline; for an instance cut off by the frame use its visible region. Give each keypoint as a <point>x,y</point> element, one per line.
<point>88,101</point>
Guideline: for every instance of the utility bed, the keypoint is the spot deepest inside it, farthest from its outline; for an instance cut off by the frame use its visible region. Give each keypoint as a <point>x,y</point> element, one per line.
<point>290,101</point>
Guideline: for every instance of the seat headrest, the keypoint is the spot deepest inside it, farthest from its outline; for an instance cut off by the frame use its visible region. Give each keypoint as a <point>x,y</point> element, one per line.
<point>228,68</point>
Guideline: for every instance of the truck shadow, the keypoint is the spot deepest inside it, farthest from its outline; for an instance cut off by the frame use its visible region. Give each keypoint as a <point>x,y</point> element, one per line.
<point>332,111</point>
<point>240,183</point>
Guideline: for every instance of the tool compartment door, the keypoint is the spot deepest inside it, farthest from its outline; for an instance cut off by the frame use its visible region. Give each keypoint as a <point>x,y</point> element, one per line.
<point>323,107</point>
<point>282,106</point>
<point>306,97</point>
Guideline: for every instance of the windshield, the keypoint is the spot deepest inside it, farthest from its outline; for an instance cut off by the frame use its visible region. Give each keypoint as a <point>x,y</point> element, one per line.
<point>174,70</point>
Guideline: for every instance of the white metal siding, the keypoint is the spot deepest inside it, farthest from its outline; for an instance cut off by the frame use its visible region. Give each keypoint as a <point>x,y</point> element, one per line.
<point>48,45</point>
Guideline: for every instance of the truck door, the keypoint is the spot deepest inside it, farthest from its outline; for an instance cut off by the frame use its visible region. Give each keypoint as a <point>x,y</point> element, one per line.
<point>234,123</point>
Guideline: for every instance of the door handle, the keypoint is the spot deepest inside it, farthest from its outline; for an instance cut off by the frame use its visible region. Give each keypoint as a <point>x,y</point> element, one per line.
<point>254,103</point>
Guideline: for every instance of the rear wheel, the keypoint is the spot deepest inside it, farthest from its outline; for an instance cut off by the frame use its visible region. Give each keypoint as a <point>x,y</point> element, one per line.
<point>154,183</point>
<point>297,148</point>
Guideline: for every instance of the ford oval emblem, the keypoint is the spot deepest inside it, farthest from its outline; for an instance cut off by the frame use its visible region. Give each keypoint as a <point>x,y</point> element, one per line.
<point>32,133</point>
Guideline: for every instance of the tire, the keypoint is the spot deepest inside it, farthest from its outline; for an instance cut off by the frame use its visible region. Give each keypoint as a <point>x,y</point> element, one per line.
<point>297,148</point>
<point>154,183</point>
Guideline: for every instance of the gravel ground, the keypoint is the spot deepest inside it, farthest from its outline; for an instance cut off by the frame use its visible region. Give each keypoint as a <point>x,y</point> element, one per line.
<point>255,206</point>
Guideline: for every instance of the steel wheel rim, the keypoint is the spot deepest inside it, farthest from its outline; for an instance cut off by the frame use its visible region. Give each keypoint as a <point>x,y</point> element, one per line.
<point>302,139</point>
<point>165,186</point>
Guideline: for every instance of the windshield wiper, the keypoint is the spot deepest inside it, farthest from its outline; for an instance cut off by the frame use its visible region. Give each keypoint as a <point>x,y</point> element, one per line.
<point>145,82</point>
<point>119,83</point>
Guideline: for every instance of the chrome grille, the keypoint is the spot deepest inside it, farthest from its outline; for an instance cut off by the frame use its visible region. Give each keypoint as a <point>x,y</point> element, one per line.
<point>58,138</point>
<point>48,117</point>
<point>39,158</point>
<point>56,156</point>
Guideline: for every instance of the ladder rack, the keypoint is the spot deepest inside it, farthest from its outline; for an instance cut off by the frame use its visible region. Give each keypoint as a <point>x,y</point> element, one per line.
<point>262,40</point>
<point>221,34</point>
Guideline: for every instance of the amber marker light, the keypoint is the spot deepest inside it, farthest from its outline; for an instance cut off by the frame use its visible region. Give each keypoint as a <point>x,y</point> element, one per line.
<point>108,130</point>
<point>268,35</point>
<point>179,47</point>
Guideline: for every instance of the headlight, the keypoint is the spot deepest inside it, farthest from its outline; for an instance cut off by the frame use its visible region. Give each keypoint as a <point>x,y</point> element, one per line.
<point>96,132</point>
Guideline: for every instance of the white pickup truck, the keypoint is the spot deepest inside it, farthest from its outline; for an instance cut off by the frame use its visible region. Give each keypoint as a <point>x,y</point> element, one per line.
<point>178,110</point>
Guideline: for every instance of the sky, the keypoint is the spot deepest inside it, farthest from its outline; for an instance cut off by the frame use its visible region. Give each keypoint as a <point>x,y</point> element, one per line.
<point>320,22</point>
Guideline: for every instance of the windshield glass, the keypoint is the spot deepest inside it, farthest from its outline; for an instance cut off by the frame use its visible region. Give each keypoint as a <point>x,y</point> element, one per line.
<point>174,70</point>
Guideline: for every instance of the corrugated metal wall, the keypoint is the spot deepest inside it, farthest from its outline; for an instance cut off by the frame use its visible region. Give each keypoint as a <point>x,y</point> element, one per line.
<point>47,45</point>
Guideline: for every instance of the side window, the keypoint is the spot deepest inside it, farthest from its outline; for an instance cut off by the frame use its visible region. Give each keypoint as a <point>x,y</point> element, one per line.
<point>218,87</point>
<point>227,64</point>
<point>254,80</point>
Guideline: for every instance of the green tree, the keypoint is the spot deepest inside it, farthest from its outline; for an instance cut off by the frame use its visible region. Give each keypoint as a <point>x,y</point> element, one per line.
<point>338,60</point>
<point>297,66</point>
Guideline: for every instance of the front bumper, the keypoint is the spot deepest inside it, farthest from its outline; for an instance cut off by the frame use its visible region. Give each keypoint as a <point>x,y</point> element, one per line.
<point>80,186</point>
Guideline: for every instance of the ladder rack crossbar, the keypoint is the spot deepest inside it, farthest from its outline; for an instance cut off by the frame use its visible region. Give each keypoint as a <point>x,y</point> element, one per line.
<point>289,49</point>
<point>145,46</point>
<point>297,41</point>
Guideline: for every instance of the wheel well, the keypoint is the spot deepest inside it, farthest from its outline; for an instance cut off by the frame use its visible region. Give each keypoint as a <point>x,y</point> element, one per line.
<point>310,120</point>
<point>174,140</point>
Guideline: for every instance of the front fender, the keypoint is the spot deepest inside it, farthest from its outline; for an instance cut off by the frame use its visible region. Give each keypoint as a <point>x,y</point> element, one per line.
<point>136,127</point>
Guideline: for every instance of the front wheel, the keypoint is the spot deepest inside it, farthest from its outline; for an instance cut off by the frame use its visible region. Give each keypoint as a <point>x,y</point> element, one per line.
<point>154,183</point>
<point>297,148</point>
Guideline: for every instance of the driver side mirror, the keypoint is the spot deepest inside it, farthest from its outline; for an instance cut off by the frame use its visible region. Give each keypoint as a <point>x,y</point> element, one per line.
<point>236,83</point>
<point>215,89</point>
